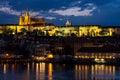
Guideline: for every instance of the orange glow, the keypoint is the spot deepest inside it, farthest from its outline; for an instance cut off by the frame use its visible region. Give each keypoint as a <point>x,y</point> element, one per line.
<point>76,56</point>
<point>50,56</point>
<point>7,54</point>
<point>40,58</point>
<point>50,67</point>
<point>5,69</point>
<point>37,71</point>
<point>42,70</point>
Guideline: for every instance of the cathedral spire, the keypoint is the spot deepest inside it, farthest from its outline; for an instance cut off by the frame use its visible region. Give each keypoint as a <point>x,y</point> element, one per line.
<point>27,17</point>
<point>67,23</point>
<point>20,13</point>
<point>21,19</point>
<point>27,12</point>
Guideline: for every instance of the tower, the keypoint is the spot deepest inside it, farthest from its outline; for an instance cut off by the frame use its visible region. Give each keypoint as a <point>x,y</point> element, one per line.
<point>27,18</point>
<point>70,23</point>
<point>67,23</point>
<point>21,19</point>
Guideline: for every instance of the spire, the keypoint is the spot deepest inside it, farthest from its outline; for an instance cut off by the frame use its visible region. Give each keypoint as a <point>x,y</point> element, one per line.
<point>27,12</point>
<point>21,14</point>
<point>21,19</point>
<point>26,18</point>
<point>70,23</point>
<point>67,23</point>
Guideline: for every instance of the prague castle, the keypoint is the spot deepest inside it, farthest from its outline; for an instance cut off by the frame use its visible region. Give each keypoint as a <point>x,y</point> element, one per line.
<point>28,23</point>
<point>27,20</point>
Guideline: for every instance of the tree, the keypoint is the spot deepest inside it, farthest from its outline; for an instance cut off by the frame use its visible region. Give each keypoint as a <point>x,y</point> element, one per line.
<point>23,30</point>
<point>35,31</point>
<point>8,31</point>
<point>104,32</point>
<point>73,35</point>
<point>47,34</point>
<point>40,33</point>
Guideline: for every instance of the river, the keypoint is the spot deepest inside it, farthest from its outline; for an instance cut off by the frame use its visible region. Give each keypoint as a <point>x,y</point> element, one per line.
<point>54,71</point>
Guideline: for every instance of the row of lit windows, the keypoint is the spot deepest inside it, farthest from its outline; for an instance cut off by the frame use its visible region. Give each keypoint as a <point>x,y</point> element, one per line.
<point>105,57</point>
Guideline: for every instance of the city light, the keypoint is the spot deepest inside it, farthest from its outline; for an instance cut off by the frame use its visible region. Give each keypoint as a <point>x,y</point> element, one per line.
<point>49,56</point>
<point>6,54</point>
<point>99,60</point>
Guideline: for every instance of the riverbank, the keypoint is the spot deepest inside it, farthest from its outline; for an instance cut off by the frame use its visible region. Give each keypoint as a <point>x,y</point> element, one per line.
<point>115,61</point>
<point>65,60</point>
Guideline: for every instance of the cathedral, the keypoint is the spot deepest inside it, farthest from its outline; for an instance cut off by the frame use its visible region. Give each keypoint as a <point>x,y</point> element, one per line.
<point>27,20</point>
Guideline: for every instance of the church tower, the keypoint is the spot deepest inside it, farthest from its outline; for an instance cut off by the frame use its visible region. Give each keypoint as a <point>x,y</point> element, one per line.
<point>67,23</point>
<point>70,23</point>
<point>21,19</point>
<point>27,18</point>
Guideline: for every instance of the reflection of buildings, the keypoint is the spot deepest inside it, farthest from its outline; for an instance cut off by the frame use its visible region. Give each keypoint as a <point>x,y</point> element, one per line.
<point>49,71</point>
<point>40,71</point>
<point>94,72</point>
<point>82,72</point>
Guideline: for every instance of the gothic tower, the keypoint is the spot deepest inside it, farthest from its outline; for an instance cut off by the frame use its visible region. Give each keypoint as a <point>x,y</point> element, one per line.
<point>21,19</point>
<point>68,23</point>
<point>27,18</point>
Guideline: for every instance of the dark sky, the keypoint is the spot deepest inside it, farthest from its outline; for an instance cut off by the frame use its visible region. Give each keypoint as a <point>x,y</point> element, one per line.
<point>80,12</point>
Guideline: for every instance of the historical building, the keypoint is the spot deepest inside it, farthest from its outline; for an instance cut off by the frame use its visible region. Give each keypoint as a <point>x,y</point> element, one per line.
<point>27,23</point>
<point>27,20</point>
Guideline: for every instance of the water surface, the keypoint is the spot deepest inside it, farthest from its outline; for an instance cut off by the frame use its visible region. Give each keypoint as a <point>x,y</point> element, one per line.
<point>52,71</point>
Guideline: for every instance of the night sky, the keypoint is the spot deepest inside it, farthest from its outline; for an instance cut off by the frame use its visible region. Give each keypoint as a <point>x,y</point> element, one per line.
<point>80,12</point>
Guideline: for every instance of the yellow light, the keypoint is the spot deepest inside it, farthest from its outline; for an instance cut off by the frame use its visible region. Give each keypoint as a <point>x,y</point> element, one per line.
<point>50,67</point>
<point>99,60</point>
<point>102,59</point>
<point>96,59</point>
<point>50,56</point>
<point>113,57</point>
<point>6,54</point>
<point>40,58</point>
<point>76,57</point>
<point>5,69</point>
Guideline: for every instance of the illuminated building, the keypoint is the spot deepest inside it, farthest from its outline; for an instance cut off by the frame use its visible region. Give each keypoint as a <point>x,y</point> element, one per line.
<point>68,23</point>
<point>27,20</point>
<point>29,23</point>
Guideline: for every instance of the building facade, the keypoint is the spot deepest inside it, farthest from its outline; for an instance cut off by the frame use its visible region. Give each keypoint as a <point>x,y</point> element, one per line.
<point>28,23</point>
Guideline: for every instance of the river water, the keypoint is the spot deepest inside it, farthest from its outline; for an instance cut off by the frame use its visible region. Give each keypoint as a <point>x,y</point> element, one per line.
<point>52,71</point>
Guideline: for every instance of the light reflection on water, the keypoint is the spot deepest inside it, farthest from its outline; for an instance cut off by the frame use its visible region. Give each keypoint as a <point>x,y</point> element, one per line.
<point>49,71</point>
<point>95,72</point>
